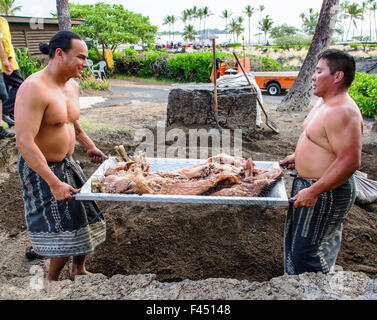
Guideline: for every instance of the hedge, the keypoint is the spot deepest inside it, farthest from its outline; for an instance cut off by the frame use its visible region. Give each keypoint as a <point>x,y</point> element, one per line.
<point>364,92</point>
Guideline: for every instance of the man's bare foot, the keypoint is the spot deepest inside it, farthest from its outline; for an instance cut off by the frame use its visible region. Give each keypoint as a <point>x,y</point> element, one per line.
<point>83,272</point>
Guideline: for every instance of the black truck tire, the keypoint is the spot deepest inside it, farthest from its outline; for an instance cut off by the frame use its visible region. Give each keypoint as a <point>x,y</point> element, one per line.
<point>273,89</point>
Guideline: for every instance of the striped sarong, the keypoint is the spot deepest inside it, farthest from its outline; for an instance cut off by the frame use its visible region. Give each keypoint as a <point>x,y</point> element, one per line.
<point>312,236</point>
<point>59,228</point>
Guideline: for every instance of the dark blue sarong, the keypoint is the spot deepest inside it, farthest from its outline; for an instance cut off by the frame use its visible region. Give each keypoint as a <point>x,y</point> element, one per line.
<point>313,235</point>
<point>59,228</point>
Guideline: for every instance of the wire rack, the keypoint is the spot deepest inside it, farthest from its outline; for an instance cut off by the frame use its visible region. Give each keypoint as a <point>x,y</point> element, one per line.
<point>274,195</point>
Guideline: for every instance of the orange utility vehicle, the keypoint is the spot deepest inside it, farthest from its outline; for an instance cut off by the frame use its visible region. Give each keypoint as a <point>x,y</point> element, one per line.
<point>273,81</point>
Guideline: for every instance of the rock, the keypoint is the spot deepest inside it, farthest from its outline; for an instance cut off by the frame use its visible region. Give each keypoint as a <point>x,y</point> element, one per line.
<point>194,103</point>
<point>339,285</point>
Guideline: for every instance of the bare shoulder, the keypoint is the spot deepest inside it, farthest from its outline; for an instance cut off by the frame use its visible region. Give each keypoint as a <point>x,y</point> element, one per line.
<point>35,84</point>
<point>343,111</point>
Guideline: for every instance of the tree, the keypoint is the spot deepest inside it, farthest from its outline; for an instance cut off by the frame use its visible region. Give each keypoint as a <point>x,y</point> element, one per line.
<point>265,26</point>
<point>206,13</point>
<point>299,95</point>
<point>64,18</point>
<point>226,15</point>
<point>249,12</point>
<point>261,9</point>
<point>173,20</point>
<point>354,12</point>
<point>310,21</point>
<point>7,7</point>
<point>167,21</point>
<point>283,30</point>
<point>188,33</point>
<point>374,9</point>
<point>343,15</point>
<point>112,25</point>
<point>369,5</point>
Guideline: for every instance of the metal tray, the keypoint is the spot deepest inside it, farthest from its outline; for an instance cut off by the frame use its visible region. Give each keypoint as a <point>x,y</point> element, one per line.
<point>277,196</point>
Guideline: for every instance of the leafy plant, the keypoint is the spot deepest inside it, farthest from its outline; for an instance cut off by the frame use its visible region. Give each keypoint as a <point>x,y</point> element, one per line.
<point>88,81</point>
<point>364,92</point>
<point>26,63</point>
<point>233,45</point>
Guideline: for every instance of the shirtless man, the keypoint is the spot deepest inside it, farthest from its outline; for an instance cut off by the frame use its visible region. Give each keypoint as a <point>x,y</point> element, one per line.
<point>327,154</point>
<point>47,110</point>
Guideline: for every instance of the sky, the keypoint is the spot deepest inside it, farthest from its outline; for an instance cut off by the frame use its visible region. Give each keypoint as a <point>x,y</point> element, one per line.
<point>286,11</point>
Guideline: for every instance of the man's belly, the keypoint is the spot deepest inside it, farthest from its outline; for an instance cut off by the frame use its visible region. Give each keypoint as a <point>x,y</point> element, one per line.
<point>56,143</point>
<point>311,160</point>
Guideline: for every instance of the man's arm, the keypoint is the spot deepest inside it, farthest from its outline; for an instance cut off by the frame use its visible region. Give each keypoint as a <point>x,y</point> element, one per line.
<point>93,152</point>
<point>4,59</point>
<point>29,110</point>
<point>344,135</point>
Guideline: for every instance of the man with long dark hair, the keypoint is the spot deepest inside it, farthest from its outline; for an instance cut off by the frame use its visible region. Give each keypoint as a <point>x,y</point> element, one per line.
<point>46,122</point>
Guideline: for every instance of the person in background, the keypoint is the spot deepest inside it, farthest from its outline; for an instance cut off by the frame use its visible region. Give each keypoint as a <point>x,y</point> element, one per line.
<point>8,69</point>
<point>13,80</point>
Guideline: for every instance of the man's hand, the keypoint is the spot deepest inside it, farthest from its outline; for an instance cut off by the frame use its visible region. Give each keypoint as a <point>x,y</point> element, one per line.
<point>96,155</point>
<point>289,161</point>
<point>8,66</point>
<point>305,198</point>
<point>63,191</point>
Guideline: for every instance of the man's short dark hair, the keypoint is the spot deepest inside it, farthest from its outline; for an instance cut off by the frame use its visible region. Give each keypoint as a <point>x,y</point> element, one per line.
<point>340,61</point>
<point>62,40</point>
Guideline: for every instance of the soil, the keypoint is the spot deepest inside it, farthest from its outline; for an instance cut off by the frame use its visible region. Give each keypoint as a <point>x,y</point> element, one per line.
<point>181,241</point>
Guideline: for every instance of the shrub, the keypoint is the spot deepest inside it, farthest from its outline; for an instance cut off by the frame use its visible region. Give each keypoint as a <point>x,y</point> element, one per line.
<point>193,66</point>
<point>90,82</point>
<point>147,61</point>
<point>26,63</point>
<point>233,45</point>
<point>364,91</point>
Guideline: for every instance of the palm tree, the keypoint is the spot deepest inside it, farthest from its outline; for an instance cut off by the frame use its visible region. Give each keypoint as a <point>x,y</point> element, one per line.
<point>364,6</point>
<point>265,26</point>
<point>343,14</point>
<point>167,20</point>
<point>374,9</point>
<point>309,22</point>
<point>233,26</point>
<point>249,12</point>
<point>64,18</point>
<point>184,16</point>
<point>7,7</point>
<point>188,33</point>
<point>200,15</point>
<point>225,15</point>
<point>194,14</point>
<point>206,14</point>
<point>354,13</point>
<point>261,9</point>
<point>370,4</point>
<point>173,19</point>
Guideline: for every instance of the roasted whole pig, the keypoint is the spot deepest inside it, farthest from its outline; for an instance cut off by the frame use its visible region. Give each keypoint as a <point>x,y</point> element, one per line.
<point>221,175</point>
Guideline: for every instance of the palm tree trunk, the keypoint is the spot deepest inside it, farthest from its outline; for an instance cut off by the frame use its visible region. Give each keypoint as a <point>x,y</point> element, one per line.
<point>375,27</point>
<point>299,96</point>
<point>63,15</point>
<point>349,27</point>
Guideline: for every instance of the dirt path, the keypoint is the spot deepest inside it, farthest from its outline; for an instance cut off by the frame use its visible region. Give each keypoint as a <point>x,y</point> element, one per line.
<point>176,242</point>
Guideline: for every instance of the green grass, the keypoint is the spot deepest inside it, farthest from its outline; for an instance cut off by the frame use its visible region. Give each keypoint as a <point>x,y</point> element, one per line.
<point>90,125</point>
<point>141,79</point>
